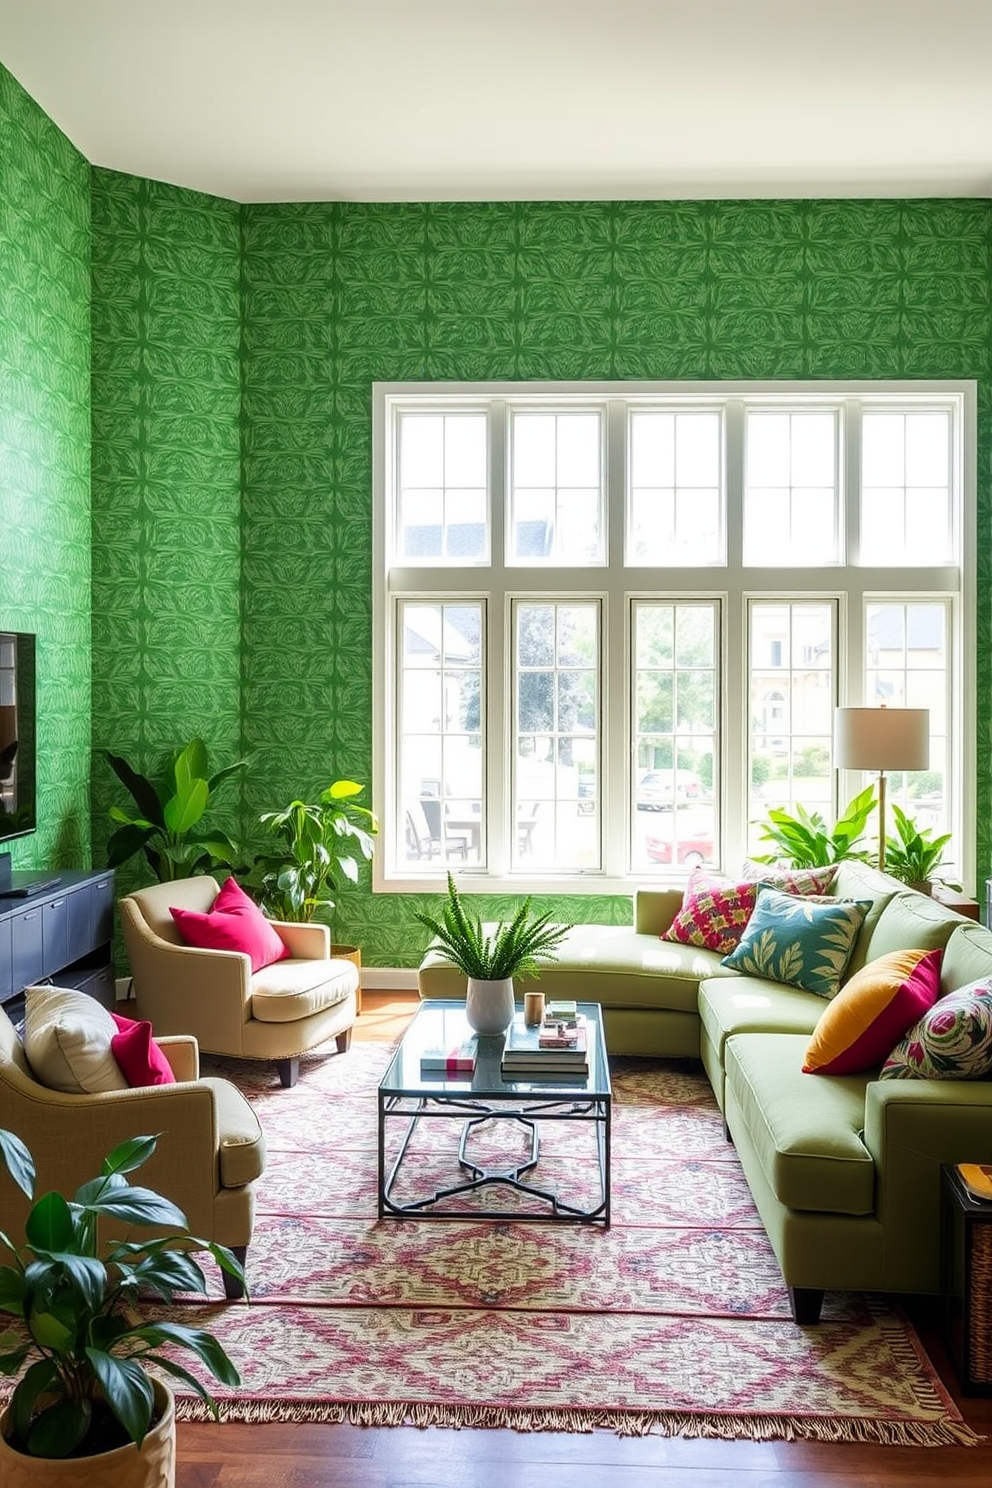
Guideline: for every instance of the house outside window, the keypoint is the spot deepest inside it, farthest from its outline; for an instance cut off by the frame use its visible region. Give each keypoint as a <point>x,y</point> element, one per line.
<point>612,622</point>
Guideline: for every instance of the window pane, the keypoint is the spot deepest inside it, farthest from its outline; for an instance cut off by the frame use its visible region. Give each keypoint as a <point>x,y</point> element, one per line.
<point>556,488</point>
<point>441,757</point>
<point>906,497</point>
<point>793,692</point>
<point>442,480</point>
<point>908,667</point>
<point>556,766</point>
<point>673,813</point>
<point>791,489</point>
<point>675,489</point>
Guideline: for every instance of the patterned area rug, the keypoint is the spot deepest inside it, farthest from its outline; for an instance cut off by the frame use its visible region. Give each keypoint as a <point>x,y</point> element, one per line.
<point>675,1320</point>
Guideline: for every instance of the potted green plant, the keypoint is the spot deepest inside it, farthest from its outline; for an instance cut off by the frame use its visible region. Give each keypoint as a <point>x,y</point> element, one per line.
<point>169,828</point>
<point>320,846</point>
<point>915,854</point>
<point>85,1397</point>
<point>491,958</point>
<point>804,840</point>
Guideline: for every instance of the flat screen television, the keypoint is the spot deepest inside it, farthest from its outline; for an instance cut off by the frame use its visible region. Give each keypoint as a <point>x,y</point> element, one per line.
<point>18,720</point>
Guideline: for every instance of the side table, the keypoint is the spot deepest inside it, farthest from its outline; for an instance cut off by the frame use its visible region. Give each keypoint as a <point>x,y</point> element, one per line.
<point>966,1229</point>
<point>953,899</point>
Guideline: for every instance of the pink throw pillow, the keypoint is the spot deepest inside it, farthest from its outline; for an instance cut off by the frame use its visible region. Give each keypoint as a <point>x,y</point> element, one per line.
<point>141,1060</point>
<point>234,924</point>
<point>714,912</point>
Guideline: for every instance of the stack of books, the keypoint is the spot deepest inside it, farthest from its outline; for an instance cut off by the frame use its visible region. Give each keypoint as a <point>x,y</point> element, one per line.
<point>558,1049</point>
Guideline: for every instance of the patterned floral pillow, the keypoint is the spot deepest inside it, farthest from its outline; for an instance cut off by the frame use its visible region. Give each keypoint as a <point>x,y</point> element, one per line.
<point>714,912</point>
<point>799,942</point>
<point>791,880</point>
<point>952,1041</point>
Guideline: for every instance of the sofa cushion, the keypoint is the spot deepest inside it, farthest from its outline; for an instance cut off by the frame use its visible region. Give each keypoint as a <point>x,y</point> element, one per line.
<point>798,941</point>
<point>67,1039</point>
<point>967,958</point>
<point>857,880</point>
<point>859,1026</point>
<point>714,913</point>
<point>911,919</point>
<point>806,1133</point>
<point>240,1138</point>
<point>951,1041</point>
<point>743,1004</point>
<point>289,990</point>
<point>609,964</point>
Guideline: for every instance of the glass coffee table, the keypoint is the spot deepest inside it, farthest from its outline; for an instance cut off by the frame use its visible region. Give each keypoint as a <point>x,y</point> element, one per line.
<point>480,1100</point>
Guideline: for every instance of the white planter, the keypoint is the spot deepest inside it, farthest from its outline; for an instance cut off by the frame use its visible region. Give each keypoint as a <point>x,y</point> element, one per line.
<point>152,1465</point>
<point>489,1005</point>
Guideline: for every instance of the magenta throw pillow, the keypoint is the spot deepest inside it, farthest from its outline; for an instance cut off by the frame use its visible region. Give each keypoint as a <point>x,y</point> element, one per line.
<point>714,913</point>
<point>139,1057</point>
<point>234,924</point>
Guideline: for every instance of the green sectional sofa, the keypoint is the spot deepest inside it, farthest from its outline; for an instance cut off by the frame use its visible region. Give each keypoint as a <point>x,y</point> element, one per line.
<point>844,1170</point>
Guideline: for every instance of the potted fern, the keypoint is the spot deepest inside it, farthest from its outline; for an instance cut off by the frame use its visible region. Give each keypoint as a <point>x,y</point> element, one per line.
<point>491,958</point>
<point>85,1410</point>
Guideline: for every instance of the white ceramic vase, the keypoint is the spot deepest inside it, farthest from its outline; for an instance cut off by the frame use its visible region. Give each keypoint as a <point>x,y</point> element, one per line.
<point>489,1005</point>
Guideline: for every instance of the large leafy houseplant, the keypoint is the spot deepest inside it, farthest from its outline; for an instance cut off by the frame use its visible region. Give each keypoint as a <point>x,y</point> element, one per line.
<point>169,827</point>
<point>804,840</point>
<point>513,948</point>
<point>320,847</point>
<point>86,1389</point>
<point>914,855</point>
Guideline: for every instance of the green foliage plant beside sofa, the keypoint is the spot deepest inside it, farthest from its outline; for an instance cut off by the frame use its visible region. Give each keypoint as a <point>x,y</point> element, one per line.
<point>804,839</point>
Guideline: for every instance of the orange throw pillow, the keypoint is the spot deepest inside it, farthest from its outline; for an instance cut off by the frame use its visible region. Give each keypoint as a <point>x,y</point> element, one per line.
<point>861,1026</point>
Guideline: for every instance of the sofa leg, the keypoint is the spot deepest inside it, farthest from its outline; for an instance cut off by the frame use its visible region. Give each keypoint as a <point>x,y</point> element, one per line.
<point>728,1135</point>
<point>343,1041</point>
<point>233,1288</point>
<point>805,1303</point>
<point>289,1072</point>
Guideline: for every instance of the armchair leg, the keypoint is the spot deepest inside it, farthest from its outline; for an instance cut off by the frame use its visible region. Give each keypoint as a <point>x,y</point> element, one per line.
<point>289,1072</point>
<point>805,1303</point>
<point>234,1289</point>
<point>343,1041</point>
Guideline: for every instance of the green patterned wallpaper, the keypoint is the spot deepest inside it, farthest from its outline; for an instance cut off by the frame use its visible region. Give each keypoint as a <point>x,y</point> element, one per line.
<point>45,455</point>
<point>338,296</point>
<point>234,350</point>
<point>166,482</point>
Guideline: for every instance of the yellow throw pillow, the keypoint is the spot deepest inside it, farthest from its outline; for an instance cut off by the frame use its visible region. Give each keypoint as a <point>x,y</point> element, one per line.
<point>871,1012</point>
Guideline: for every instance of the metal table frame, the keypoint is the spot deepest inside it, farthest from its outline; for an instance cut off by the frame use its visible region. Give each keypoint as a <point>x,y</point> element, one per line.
<point>484,1097</point>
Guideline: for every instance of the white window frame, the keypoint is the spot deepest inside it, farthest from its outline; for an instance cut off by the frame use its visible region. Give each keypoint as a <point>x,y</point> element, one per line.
<point>616,586</point>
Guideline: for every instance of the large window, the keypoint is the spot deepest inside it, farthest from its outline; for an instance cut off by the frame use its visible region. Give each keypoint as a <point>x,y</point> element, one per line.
<point>612,623</point>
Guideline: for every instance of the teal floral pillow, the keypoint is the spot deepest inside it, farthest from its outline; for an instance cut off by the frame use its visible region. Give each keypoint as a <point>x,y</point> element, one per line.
<point>952,1041</point>
<point>802,942</point>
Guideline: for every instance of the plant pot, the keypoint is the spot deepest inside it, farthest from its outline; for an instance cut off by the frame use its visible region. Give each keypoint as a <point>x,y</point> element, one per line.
<point>354,955</point>
<point>152,1465</point>
<point>489,1005</point>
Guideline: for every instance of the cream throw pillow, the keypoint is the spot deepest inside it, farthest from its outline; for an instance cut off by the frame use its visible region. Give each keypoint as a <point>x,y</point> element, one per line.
<point>67,1041</point>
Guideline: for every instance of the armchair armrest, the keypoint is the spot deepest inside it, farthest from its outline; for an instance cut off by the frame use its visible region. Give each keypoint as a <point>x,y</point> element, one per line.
<point>305,942</point>
<point>183,1054</point>
<point>655,909</point>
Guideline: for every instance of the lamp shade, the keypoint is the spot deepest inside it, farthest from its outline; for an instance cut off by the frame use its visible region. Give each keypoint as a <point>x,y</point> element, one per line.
<point>882,738</point>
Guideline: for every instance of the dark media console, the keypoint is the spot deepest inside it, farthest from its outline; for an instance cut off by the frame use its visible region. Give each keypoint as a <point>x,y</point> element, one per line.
<point>61,933</point>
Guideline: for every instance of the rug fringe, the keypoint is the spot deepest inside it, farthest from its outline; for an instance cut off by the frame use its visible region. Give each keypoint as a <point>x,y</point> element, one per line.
<point>938,1433</point>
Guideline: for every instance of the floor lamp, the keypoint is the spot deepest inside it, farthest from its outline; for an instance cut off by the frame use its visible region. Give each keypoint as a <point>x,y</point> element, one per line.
<point>881,739</point>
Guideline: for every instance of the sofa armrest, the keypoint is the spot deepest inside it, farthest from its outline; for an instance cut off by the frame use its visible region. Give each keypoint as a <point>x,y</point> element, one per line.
<point>183,1054</point>
<point>655,909</point>
<point>913,1128</point>
<point>306,942</point>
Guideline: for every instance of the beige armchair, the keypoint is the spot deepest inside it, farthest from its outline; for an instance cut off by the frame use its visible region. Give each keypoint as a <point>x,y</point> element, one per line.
<point>291,1008</point>
<point>210,1146</point>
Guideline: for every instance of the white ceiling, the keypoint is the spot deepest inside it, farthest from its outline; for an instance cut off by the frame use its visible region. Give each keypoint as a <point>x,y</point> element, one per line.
<point>412,100</point>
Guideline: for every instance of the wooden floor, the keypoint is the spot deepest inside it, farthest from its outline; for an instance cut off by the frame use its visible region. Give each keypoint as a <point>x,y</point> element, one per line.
<point>281,1456</point>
